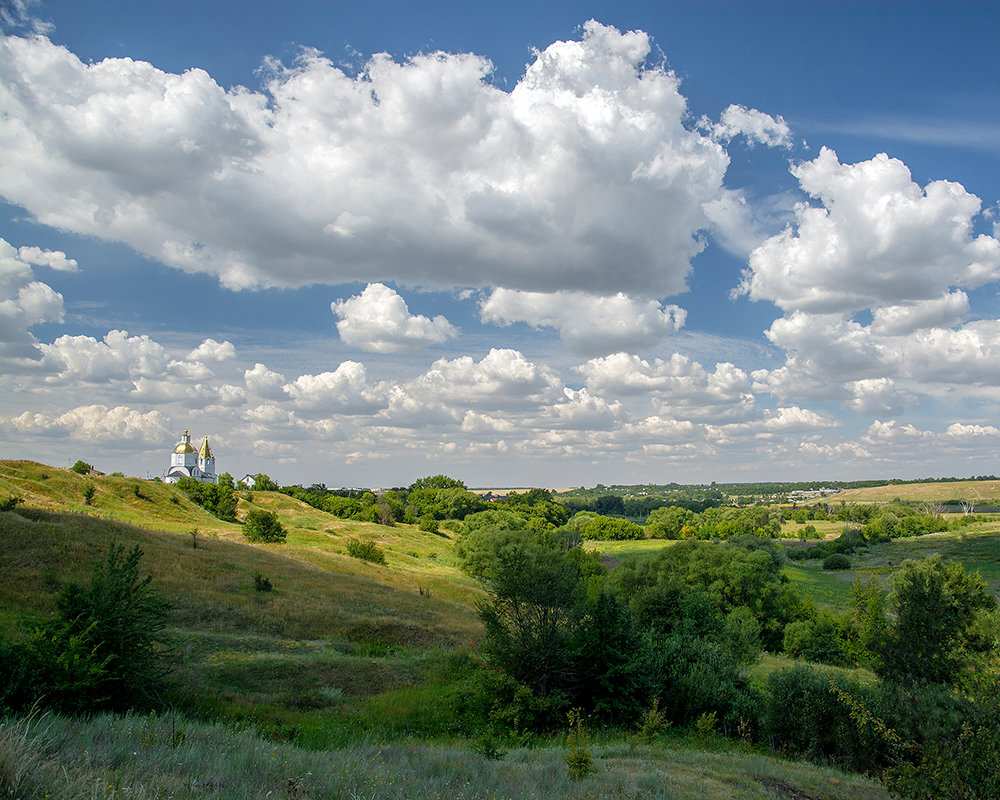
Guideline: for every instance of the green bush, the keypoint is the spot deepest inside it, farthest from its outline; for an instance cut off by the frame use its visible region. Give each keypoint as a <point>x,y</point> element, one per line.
<point>815,640</point>
<point>579,759</point>
<point>261,583</point>
<point>218,499</point>
<point>263,526</point>
<point>101,651</point>
<point>81,468</point>
<point>366,550</point>
<point>836,561</point>
<point>428,524</point>
<point>804,715</point>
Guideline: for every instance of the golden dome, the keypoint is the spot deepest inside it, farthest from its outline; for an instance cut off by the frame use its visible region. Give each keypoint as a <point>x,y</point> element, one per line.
<point>184,445</point>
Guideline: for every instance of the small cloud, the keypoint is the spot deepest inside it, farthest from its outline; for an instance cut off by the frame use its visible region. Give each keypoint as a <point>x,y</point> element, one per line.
<point>211,350</point>
<point>755,125</point>
<point>588,325</point>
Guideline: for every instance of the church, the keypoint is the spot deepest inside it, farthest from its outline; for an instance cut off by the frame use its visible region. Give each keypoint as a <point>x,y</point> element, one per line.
<point>186,462</point>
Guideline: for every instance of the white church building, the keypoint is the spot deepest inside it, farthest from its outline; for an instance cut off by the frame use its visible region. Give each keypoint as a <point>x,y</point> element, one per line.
<point>186,462</point>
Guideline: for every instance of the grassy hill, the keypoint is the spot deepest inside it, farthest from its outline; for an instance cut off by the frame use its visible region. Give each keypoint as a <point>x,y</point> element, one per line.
<point>933,492</point>
<point>361,664</point>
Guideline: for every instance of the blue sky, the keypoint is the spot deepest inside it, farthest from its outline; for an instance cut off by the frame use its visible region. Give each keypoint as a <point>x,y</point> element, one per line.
<point>533,244</point>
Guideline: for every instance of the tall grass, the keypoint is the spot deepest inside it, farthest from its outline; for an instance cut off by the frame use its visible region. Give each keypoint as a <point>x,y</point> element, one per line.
<point>133,756</point>
<point>22,743</point>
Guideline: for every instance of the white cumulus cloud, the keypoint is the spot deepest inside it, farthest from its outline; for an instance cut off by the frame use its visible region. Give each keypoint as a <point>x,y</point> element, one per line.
<point>378,320</point>
<point>588,325</point>
<point>24,301</point>
<point>346,390</point>
<point>755,125</point>
<point>211,350</point>
<point>878,239</point>
<point>586,175</point>
<point>97,423</point>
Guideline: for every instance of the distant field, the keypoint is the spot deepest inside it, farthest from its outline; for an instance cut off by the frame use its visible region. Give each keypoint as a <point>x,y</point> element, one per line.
<point>979,491</point>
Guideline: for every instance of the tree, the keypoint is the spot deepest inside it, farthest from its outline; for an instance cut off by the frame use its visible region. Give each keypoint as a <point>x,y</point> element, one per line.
<point>82,468</point>
<point>530,619</point>
<point>263,526</point>
<point>263,483</point>
<point>929,635</point>
<point>124,618</point>
<point>437,482</point>
<point>218,499</point>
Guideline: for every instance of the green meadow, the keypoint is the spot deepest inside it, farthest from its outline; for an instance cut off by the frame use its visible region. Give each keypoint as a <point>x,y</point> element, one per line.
<point>348,679</point>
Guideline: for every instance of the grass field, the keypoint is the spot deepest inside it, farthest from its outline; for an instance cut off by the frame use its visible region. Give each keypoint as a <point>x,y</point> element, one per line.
<point>333,628</point>
<point>935,492</point>
<point>363,664</point>
<point>108,757</point>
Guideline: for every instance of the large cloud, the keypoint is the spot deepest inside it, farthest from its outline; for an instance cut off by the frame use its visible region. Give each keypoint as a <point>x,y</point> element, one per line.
<point>97,423</point>
<point>583,176</point>
<point>879,239</point>
<point>588,325</point>
<point>346,390</point>
<point>503,379</point>
<point>378,320</point>
<point>882,244</point>
<point>119,357</point>
<point>679,387</point>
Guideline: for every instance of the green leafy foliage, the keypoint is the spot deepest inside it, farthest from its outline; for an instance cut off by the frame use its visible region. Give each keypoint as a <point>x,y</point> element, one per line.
<point>837,561</point>
<point>219,499</point>
<point>930,631</point>
<point>263,483</point>
<point>579,759</point>
<point>81,468</point>
<point>803,715</point>
<point>819,640</point>
<point>101,651</point>
<point>428,524</point>
<point>263,526</point>
<point>366,550</point>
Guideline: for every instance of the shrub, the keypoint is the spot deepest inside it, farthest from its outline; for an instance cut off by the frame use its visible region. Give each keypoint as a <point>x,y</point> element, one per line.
<point>579,759</point>
<point>366,550</point>
<point>836,561</point>
<point>653,723</point>
<point>128,619</point>
<point>102,651</point>
<point>815,640</point>
<point>10,503</point>
<point>261,584</point>
<point>263,526</point>
<point>821,727</point>
<point>88,494</point>
<point>428,524</point>
<point>81,468</point>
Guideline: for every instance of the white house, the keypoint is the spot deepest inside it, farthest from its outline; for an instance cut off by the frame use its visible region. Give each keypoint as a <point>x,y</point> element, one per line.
<point>185,462</point>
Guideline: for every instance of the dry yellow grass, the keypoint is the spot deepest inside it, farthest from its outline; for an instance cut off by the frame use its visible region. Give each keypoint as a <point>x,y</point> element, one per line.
<point>935,492</point>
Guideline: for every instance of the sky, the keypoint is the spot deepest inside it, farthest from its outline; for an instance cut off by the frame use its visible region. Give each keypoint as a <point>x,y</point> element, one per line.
<point>525,244</point>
